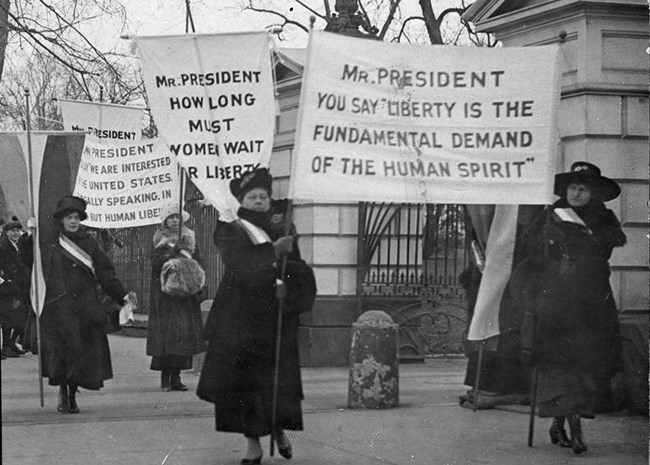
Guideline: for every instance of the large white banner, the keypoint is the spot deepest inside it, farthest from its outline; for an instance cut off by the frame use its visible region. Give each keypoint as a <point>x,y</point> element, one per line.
<point>103,120</point>
<point>405,123</point>
<point>126,183</point>
<point>212,100</point>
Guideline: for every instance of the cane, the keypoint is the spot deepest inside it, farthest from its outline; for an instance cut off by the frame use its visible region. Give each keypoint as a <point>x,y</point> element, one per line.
<point>281,294</point>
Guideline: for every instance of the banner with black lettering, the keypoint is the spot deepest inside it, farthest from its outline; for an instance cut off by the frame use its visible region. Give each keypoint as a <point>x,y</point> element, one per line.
<point>407,123</point>
<point>106,121</point>
<point>213,102</point>
<point>125,183</point>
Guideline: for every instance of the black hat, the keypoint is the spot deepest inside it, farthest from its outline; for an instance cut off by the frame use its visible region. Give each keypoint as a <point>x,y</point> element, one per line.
<point>249,181</point>
<point>14,223</point>
<point>70,204</point>
<point>586,173</point>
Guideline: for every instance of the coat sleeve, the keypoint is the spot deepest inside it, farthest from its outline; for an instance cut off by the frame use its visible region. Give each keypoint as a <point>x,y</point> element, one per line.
<point>301,287</point>
<point>608,232</point>
<point>105,272</point>
<point>238,251</point>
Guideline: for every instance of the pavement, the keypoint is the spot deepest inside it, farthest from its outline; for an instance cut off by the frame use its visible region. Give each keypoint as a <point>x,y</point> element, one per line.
<point>130,421</point>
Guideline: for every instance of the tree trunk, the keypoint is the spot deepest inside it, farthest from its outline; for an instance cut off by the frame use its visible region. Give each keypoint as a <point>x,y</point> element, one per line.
<point>433,25</point>
<point>4,32</point>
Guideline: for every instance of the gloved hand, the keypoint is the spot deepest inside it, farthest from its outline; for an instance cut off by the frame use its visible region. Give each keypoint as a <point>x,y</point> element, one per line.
<point>283,246</point>
<point>31,223</point>
<point>131,298</point>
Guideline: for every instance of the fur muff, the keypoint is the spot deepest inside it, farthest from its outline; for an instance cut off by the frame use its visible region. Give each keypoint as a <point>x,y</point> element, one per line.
<point>182,277</point>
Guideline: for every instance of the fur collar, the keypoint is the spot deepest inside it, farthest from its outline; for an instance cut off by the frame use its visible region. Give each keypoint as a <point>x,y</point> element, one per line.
<point>168,237</point>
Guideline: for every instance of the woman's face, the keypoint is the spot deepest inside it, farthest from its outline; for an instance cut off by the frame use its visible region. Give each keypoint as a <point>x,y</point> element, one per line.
<point>578,194</point>
<point>71,222</point>
<point>256,200</point>
<point>14,234</point>
<point>173,221</point>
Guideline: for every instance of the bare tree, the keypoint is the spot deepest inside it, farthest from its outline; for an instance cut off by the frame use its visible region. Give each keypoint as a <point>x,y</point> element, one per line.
<point>56,28</point>
<point>389,20</point>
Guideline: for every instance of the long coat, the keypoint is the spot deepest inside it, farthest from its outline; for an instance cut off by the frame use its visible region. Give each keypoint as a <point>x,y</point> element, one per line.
<point>241,331</point>
<point>74,344</point>
<point>566,285</point>
<point>175,324</point>
<point>14,289</point>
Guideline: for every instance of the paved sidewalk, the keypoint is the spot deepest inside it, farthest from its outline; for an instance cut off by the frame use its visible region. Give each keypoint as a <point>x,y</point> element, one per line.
<point>132,422</point>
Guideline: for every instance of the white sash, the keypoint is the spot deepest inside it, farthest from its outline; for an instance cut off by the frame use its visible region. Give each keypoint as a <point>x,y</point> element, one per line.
<point>256,234</point>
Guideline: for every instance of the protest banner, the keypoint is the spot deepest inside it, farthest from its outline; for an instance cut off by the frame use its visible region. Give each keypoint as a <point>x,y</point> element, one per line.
<point>213,102</point>
<point>125,183</point>
<point>405,123</point>
<point>105,121</point>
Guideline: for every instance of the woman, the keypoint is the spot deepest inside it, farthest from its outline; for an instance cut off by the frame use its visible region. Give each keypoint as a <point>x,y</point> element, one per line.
<point>74,343</point>
<point>577,346</point>
<point>238,374</point>
<point>14,289</point>
<point>174,329</point>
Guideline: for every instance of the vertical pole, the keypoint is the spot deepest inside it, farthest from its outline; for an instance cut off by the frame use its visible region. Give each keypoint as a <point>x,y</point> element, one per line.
<point>362,240</point>
<point>32,201</point>
<point>478,375</point>
<point>278,338</point>
<point>533,405</point>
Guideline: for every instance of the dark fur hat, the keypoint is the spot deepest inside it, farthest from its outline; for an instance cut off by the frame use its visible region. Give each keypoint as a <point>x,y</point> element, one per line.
<point>69,204</point>
<point>588,174</point>
<point>249,181</point>
<point>14,223</point>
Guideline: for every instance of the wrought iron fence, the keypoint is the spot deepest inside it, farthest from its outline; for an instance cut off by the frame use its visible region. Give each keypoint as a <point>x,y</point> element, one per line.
<point>131,250</point>
<point>410,259</point>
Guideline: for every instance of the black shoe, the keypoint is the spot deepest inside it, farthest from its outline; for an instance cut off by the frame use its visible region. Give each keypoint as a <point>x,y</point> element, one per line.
<point>63,405</point>
<point>284,445</point>
<point>255,461</point>
<point>72,400</point>
<point>9,353</point>
<point>558,433</point>
<point>175,382</point>
<point>19,351</point>
<point>165,386</point>
<point>577,440</point>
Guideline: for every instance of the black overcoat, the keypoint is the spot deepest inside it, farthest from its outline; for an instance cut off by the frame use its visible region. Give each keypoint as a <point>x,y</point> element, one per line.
<point>14,289</point>
<point>241,331</point>
<point>577,317</point>
<point>74,344</point>
<point>175,325</point>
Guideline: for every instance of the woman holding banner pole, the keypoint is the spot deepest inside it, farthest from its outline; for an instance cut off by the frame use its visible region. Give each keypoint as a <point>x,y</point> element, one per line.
<point>253,322</point>
<point>75,351</point>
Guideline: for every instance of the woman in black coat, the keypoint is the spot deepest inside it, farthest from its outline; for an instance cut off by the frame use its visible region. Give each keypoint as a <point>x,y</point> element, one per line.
<point>14,289</point>
<point>75,349</point>
<point>175,327</point>
<point>241,329</point>
<point>577,347</point>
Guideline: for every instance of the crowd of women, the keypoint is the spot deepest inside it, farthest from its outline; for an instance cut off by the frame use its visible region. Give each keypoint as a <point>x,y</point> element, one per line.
<point>252,377</point>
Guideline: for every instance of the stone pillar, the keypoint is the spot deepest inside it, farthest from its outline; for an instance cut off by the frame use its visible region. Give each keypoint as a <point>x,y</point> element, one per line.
<point>374,362</point>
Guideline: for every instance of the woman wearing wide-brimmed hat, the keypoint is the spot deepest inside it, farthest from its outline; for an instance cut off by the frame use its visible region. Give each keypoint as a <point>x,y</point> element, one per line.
<point>238,374</point>
<point>75,350</point>
<point>175,327</point>
<point>577,349</point>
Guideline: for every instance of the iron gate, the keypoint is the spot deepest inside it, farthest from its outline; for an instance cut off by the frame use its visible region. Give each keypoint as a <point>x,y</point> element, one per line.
<point>409,261</point>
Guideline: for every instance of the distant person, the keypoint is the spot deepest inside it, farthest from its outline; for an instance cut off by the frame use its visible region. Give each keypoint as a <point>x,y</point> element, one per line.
<point>578,346</point>
<point>241,330</point>
<point>175,325</point>
<point>75,350</point>
<point>14,289</point>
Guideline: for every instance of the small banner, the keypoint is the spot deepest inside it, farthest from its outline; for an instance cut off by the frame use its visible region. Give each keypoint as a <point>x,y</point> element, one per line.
<point>212,100</point>
<point>125,183</point>
<point>426,124</point>
<point>107,122</point>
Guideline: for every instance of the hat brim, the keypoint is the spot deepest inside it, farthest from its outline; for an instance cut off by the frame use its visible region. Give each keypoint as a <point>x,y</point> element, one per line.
<point>608,189</point>
<point>60,214</point>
